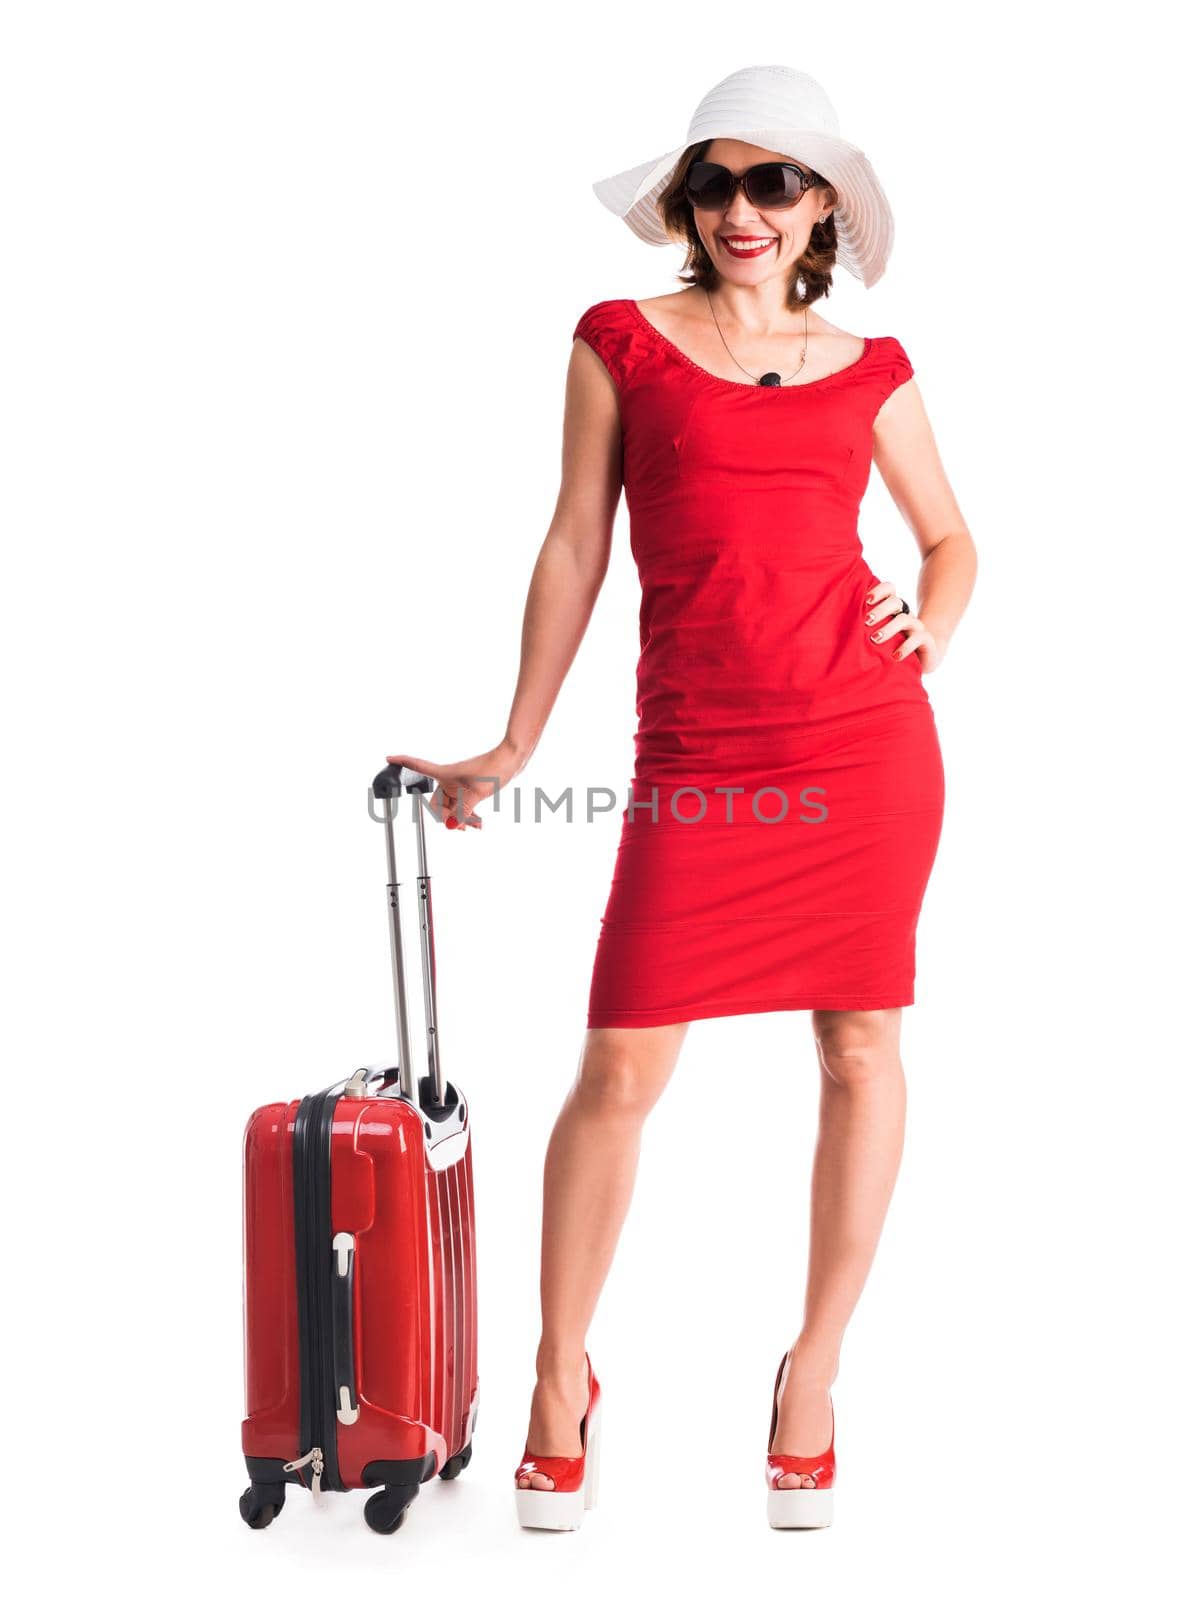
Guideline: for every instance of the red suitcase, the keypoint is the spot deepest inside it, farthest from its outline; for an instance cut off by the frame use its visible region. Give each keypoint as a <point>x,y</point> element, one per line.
<point>358,1264</point>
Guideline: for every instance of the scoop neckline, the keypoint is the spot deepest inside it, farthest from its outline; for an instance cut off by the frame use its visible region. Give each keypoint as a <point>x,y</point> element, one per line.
<point>735,383</point>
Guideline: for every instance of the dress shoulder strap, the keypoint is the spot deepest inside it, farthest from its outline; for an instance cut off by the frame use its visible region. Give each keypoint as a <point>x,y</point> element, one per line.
<point>614,337</point>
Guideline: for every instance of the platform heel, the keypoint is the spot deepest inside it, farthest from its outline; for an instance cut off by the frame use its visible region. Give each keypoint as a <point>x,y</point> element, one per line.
<point>574,1478</point>
<point>811,1505</point>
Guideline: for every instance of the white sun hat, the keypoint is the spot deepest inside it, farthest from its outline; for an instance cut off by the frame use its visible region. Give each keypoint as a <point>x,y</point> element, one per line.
<point>784,110</point>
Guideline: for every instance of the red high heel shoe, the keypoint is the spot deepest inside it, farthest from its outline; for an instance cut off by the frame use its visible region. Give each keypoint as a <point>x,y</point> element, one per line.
<point>575,1478</point>
<point>811,1505</point>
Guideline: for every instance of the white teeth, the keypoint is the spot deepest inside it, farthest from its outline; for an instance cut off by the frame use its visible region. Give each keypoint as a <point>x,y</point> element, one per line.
<point>749,244</point>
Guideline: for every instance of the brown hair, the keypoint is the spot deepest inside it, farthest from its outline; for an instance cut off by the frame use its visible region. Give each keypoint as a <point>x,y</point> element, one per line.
<point>813,275</point>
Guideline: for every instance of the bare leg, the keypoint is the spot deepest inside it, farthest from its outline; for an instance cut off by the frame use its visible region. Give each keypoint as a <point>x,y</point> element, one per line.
<point>589,1177</point>
<point>863,1096</point>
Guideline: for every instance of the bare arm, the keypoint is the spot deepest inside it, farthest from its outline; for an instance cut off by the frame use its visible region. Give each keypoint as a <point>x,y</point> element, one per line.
<point>572,562</point>
<point>907,456</point>
<point>565,583</point>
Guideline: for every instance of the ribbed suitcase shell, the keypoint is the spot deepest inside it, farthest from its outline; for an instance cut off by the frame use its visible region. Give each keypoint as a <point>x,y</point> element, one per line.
<point>414,1315</point>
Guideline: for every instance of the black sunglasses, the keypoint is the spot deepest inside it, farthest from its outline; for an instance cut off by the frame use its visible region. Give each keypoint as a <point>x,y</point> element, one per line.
<point>772,185</point>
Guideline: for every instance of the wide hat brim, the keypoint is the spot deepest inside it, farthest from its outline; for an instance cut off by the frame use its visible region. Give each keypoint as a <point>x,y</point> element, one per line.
<point>864,222</point>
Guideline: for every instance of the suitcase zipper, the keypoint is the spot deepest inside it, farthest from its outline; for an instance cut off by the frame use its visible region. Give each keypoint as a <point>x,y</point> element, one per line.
<point>311,1185</point>
<point>316,1460</point>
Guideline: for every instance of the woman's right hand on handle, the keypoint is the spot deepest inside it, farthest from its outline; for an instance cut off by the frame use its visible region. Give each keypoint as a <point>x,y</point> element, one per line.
<point>462,785</point>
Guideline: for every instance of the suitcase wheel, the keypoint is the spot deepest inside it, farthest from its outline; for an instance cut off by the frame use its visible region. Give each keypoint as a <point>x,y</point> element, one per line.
<point>260,1505</point>
<point>457,1463</point>
<point>385,1511</point>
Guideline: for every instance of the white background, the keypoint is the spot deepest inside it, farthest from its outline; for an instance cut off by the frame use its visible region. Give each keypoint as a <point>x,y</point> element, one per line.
<point>281,433</point>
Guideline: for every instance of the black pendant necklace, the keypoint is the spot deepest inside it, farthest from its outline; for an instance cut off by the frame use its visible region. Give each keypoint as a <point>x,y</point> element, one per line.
<point>769,380</point>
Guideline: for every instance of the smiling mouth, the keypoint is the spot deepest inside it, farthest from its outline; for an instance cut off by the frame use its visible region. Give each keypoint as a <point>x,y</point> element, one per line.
<point>742,245</point>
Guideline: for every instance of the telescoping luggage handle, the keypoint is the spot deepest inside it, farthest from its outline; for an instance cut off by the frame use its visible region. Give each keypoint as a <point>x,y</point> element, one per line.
<point>394,780</point>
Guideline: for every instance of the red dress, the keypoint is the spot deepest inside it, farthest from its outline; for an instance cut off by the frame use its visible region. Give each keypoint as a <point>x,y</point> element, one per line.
<point>787,794</point>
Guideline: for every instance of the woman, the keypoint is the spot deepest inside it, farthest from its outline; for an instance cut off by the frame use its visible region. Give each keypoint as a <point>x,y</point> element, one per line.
<point>788,789</point>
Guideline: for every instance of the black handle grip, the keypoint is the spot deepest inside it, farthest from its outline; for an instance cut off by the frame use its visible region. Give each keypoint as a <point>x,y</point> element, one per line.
<point>346,1397</point>
<point>394,780</point>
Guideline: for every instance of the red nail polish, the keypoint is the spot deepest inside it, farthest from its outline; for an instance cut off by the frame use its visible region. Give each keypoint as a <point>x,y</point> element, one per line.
<point>451,822</point>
